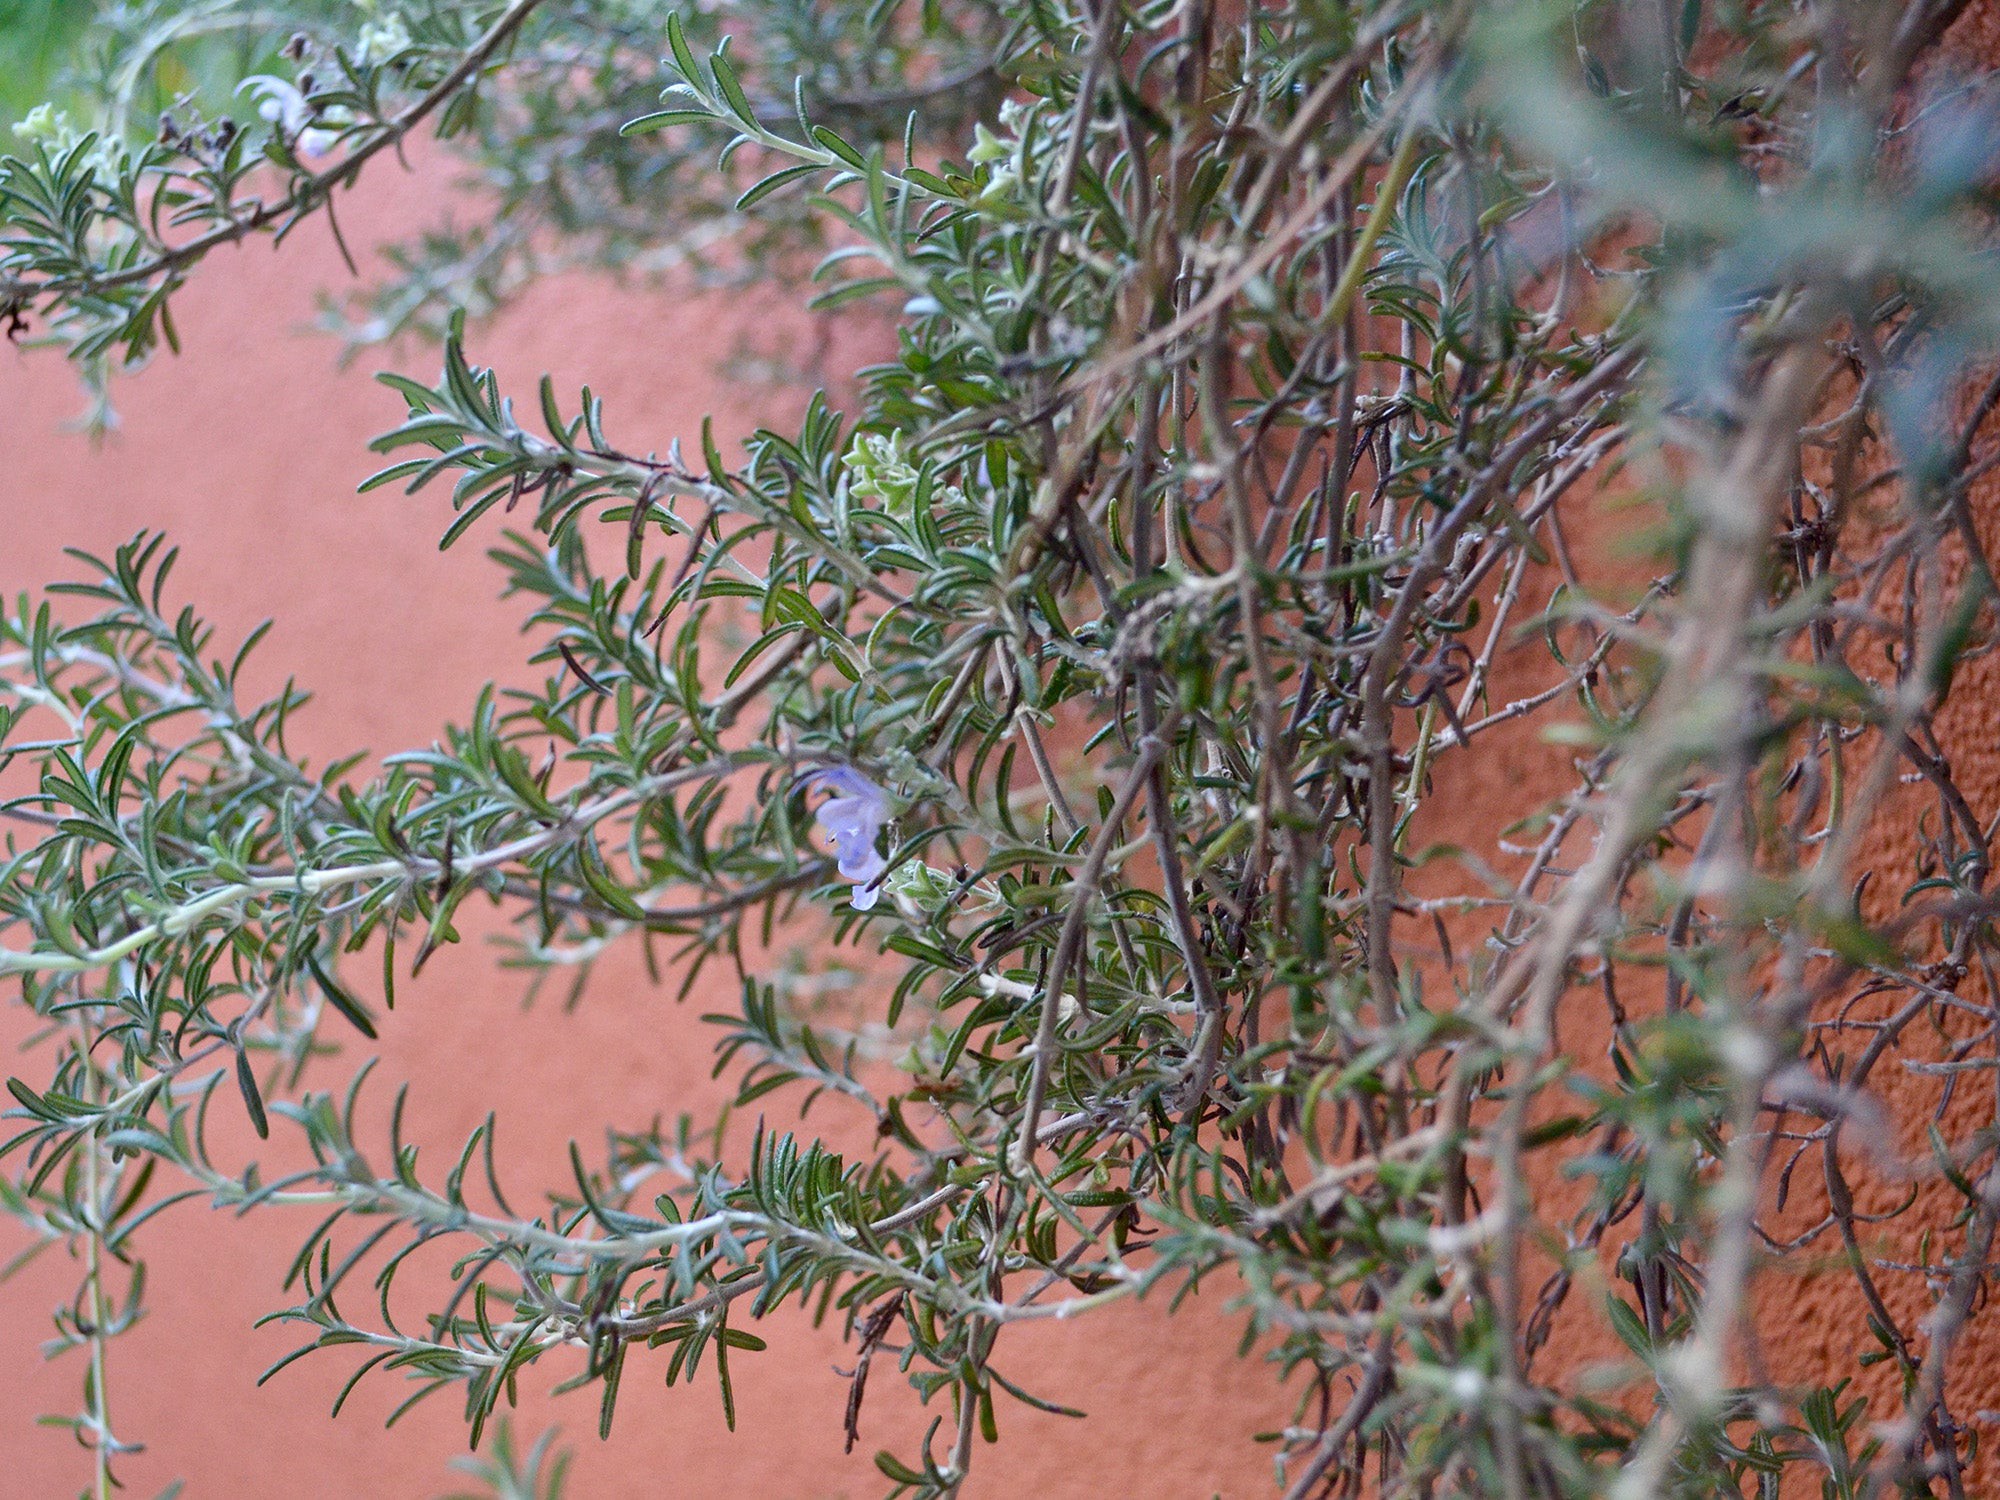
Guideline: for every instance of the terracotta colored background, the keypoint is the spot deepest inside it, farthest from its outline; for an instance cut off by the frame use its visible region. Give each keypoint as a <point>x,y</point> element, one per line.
<point>247,451</point>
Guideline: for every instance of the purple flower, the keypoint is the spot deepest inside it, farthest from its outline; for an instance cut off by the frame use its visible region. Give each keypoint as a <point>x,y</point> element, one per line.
<point>851,819</point>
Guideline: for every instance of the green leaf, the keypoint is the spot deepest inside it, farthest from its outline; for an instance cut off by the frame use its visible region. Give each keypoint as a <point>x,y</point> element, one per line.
<point>660,119</point>
<point>341,1001</point>
<point>731,90</point>
<point>253,1098</point>
<point>775,181</point>
<point>684,61</point>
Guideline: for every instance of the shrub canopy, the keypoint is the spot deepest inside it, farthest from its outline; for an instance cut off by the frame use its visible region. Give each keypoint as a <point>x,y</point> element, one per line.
<point>1278,391</point>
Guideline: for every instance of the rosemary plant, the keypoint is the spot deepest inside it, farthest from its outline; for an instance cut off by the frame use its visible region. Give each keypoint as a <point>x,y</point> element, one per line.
<point>1279,392</point>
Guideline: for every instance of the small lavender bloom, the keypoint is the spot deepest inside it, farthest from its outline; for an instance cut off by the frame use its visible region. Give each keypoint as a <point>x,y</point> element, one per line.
<point>851,819</point>
<point>283,105</point>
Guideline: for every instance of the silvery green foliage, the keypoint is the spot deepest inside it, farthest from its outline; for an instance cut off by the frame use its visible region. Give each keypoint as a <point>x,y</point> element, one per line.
<point>164,106</point>
<point>1109,670</point>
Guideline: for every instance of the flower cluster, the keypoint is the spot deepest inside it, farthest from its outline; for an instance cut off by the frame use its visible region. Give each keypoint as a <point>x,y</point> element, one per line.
<point>880,472</point>
<point>58,134</point>
<point>286,106</point>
